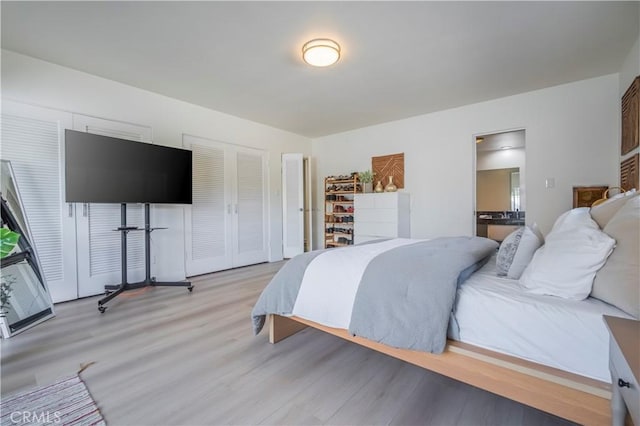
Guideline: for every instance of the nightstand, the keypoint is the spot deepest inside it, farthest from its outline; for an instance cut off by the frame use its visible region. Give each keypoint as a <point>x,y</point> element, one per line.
<point>624,363</point>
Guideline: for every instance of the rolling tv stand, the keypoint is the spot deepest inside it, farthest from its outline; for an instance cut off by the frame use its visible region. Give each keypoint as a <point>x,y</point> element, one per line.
<point>112,291</point>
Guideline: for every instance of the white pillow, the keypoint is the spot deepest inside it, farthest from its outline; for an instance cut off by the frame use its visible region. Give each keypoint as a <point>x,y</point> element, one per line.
<point>602,213</point>
<point>574,251</point>
<point>517,250</point>
<point>571,219</point>
<point>618,282</point>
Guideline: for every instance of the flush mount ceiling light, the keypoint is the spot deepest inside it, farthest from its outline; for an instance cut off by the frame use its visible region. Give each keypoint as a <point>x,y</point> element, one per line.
<point>478,140</point>
<point>321,52</point>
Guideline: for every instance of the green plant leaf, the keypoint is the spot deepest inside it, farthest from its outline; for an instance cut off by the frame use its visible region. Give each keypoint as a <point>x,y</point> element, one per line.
<point>365,176</point>
<point>8,240</point>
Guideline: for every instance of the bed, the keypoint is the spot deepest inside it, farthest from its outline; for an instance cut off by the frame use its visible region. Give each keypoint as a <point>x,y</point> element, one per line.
<point>492,337</point>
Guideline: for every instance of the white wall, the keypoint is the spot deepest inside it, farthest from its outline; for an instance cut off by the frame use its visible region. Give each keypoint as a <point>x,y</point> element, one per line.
<point>32,81</point>
<point>572,135</point>
<point>631,67</point>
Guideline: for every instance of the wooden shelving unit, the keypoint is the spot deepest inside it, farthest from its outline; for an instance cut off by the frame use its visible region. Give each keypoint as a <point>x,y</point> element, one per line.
<point>338,209</point>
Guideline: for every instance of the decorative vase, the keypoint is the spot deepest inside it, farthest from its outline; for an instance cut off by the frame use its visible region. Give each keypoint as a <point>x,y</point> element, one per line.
<point>390,187</point>
<point>367,187</point>
<point>379,187</point>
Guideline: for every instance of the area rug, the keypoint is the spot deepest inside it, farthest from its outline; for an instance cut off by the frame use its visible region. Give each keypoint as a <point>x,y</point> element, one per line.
<point>66,402</point>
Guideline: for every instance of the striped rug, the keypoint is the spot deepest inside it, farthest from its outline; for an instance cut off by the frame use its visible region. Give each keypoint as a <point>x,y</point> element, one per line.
<point>66,402</point>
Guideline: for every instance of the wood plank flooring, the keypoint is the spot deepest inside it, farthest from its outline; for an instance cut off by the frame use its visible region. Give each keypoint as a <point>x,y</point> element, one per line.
<point>164,356</point>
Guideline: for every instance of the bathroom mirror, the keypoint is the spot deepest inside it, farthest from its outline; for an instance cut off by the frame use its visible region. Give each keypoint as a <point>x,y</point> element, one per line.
<point>25,296</point>
<point>498,189</point>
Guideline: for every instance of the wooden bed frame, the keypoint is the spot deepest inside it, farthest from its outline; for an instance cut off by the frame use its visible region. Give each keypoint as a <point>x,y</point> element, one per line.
<point>567,395</point>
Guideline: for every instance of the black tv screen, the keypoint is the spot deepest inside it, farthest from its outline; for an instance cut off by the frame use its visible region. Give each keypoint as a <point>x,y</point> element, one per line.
<point>102,169</point>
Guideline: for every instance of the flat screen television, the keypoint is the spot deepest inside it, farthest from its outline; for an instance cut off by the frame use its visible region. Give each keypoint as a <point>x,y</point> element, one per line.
<point>102,169</point>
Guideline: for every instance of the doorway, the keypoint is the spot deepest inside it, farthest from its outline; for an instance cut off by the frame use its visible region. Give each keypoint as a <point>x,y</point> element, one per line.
<point>500,184</point>
<point>297,228</point>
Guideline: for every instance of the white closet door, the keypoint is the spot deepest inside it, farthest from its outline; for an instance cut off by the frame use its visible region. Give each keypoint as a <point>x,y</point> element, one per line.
<point>99,248</point>
<point>208,219</point>
<point>225,226</point>
<point>250,207</point>
<point>292,205</point>
<point>32,141</point>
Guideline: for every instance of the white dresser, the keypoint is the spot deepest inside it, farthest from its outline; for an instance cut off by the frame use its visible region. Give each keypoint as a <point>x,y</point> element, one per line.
<point>381,215</point>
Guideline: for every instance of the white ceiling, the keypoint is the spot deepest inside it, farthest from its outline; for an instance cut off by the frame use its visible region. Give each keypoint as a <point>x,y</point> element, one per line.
<point>399,59</point>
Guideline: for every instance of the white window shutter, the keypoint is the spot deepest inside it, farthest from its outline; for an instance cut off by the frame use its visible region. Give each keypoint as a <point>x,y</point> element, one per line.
<point>104,246</point>
<point>32,146</point>
<point>208,208</point>
<point>251,203</point>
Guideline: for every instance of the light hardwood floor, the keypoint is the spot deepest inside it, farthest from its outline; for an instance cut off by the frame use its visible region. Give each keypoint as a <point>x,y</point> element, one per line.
<point>164,356</point>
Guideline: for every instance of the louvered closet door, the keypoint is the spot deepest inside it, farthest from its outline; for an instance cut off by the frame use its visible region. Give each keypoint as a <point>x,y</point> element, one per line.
<point>99,261</point>
<point>208,219</point>
<point>250,207</point>
<point>292,205</point>
<point>31,140</point>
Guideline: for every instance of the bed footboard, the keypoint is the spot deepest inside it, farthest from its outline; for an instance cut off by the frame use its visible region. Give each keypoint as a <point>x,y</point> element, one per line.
<point>282,327</point>
<point>573,397</point>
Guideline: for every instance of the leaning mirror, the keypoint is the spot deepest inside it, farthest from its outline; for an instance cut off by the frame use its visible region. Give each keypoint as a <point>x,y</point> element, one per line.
<point>24,296</point>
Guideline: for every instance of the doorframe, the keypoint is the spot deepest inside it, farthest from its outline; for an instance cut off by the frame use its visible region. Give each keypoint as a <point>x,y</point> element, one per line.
<point>285,175</point>
<point>474,167</point>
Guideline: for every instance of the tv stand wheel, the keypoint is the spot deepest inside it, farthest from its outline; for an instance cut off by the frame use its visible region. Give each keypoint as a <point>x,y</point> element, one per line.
<point>102,309</point>
<point>190,288</point>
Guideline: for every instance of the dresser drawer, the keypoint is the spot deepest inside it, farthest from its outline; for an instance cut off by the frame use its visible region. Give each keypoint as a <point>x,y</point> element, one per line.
<point>620,370</point>
<point>376,215</point>
<point>380,229</point>
<point>386,200</point>
<point>364,201</point>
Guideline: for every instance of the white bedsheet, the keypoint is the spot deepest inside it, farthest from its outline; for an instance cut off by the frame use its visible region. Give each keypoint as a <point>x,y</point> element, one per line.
<point>497,314</point>
<point>331,281</point>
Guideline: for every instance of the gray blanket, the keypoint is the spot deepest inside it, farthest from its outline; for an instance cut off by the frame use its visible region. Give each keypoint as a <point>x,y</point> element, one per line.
<point>405,296</point>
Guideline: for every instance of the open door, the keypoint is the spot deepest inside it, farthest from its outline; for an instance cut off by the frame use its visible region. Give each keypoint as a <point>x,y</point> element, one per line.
<point>292,204</point>
<point>308,206</point>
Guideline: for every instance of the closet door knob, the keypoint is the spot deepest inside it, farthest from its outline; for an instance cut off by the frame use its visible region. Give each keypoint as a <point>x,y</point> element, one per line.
<point>623,384</point>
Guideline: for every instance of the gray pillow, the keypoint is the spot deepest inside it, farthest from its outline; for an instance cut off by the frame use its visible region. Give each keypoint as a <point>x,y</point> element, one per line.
<point>618,281</point>
<point>507,251</point>
<point>517,250</point>
<point>530,241</point>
